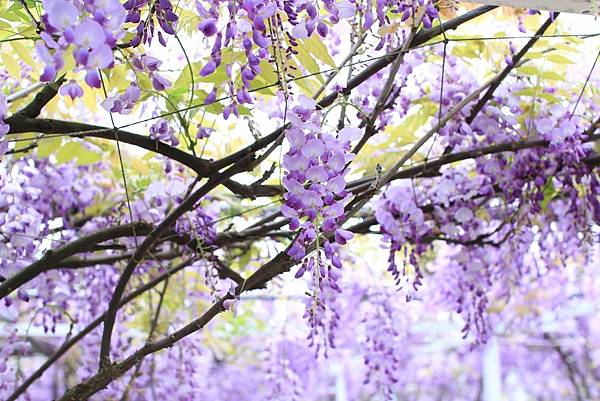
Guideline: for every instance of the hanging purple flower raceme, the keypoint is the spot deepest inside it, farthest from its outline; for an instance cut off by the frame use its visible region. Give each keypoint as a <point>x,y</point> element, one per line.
<point>403,223</point>
<point>157,11</point>
<point>91,29</point>
<point>283,381</point>
<point>315,167</point>
<point>385,355</point>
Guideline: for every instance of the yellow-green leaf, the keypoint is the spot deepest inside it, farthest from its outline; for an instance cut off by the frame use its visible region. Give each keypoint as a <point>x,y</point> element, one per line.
<point>11,65</point>
<point>559,59</point>
<point>316,47</point>
<point>117,77</point>
<point>47,146</point>
<point>24,54</point>
<point>77,151</point>
<point>308,62</point>
<point>67,152</point>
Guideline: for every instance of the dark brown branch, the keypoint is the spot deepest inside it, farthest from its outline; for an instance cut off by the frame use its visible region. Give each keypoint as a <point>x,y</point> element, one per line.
<point>149,241</point>
<point>86,389</point>
<point>421,38</point>
<point>52,257</point>
<point>67,345</point>
<point>426,168</point>
<point>507,70</point>
<point>25,149</point>
<point>41,99</point>
<point>78,263</point>
<point>153,327</point>
<point>63,256</point>
<point>517,61</point>
<point>202,167</point>
<point>49,126</point>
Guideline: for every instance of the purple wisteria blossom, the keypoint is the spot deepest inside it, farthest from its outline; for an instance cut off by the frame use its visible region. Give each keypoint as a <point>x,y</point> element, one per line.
<point>148,64</point>
<point>204,132</point>
<point>71,89</point>
<point>92,30</point>
<point>122,103</point>
<point>160,11</point>
<point>162,131</point>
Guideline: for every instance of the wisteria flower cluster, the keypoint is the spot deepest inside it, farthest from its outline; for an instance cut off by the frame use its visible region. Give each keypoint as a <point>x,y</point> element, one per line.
<point>91,29</point>
<point>160,11</point>
<point>316,165</point>
<point>314,179</point>
<point>122,103</point>
<point>483,216</point>
<point>162,131</point>
<point>33,200</point>
<point>148,64</point>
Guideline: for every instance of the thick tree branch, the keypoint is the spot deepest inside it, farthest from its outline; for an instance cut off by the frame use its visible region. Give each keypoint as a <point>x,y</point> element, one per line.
<point>41,99</point>
<point>52,257</point>
<point>78,263</point>
<point>149,241</point>
<point>67,345</point>
<point>19,124</point>
<point>423,169</point>
<point>86,389</point>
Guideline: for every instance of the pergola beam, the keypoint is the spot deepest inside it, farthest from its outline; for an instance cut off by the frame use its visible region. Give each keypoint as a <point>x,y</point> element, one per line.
<point>569,6</point>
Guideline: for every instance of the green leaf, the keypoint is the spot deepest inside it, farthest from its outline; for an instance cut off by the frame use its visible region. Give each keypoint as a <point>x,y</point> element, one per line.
<point>529,70</point>
<point>559,59</point>
<point>117,78</point>
<point>77,151</point>
<point>47,146</point>
<point>536,93</point>
<point>316,47</point>
<point>568,47</point>
<point>217,77</point>
<point>470,50</point>
<point>532,71</point>
<point>87,156</point>
<point>184,80</point>
<point>11,65</point>
<point>144,82</point>
<point>67,152</point>
<point>307,61</point>
<point>24,54</point>
<point>552,75</point>
<point>549,194</point>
